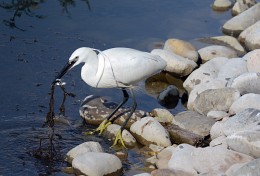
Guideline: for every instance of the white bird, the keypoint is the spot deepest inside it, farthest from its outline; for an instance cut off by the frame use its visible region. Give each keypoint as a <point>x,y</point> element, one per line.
<point>114,68</point>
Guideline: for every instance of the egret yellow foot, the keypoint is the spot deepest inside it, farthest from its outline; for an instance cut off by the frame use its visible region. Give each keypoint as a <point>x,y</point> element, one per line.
<point>103,126</point>
<point>119,138</point>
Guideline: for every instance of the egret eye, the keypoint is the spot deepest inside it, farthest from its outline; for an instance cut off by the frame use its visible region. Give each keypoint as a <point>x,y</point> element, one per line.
<point>74,60</point>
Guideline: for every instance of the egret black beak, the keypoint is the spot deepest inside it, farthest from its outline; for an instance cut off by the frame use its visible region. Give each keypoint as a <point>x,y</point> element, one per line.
<point>63,71</point>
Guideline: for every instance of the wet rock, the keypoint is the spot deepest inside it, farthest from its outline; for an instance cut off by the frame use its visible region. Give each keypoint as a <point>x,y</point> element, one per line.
<point>250,169</point>
<point>247,83</point>
<point>162,115</point>
<point>95,109</point>
<point>149,131</point>
<point>246,101</point>
<point>232,69</point>
<point>169,97</point>
<point>221,5</point>
<point>194,122</point>
<point>237,24</point>
<point>154,86</point>
<point>248,31</point>
<point>83,148</point>
<point>176,64</point>
<point>205,73</point>
<point>215,100</point>
<point>249,119</point>
<point>247,142</point>
<point>180,135</point>
<point>210,84</point>
<point>97,164</point>
<point>182,48</point>
<point>173,80</point>
<point>231,42</point>
<point>168,172</point>
<point>242,5</point>
<point>213,51</point>
<point>253,61</point>
<point>217,115</point>
<point>128,138</point>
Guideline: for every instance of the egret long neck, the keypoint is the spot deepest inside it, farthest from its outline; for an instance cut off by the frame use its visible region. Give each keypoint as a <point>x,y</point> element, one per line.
<point>90,68</point>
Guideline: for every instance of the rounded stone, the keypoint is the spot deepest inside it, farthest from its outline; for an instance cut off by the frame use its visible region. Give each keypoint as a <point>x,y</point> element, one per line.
<point>217,115</point>
<point>162,115</point>
<point>182,48</point>
<point>253,61</point>
<point>97,164</point>
<point>169,97</point>
<point>250,30</point>
<point>241,6</point>
<point>213,51</point>
<point>221,5</point>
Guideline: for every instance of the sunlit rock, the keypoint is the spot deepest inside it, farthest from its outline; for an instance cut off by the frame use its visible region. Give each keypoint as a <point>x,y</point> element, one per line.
<point>217,115</point>
<point>162,115</point>
<point>242,5</point>
<point>253,61</point>
<point>97,164</point>
<point>251,30</point>
<point>221,5</point>
<point>182,48</point>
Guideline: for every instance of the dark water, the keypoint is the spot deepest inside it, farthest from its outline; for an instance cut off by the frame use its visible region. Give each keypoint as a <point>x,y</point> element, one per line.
<point>36,39</point>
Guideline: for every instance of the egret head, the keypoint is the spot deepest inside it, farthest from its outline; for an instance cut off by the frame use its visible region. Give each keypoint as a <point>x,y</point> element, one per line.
<point>80,55</point>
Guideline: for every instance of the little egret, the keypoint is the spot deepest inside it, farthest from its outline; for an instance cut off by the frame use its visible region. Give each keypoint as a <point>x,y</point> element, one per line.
<point>114,68</point>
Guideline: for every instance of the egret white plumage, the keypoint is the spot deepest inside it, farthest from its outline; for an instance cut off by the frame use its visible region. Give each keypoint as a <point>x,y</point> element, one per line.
<point>114,68</point>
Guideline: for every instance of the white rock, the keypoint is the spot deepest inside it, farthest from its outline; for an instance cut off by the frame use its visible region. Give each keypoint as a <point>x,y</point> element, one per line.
<point>232,69</point>
<point>175,63</point>
<point>128,138</point>
<point>221,140</point>
<point>206,72</point>
<point>83,148</point>
<point>215,100</point>
<point>217,115</point>
<point>249,119</point>
<point>164,156</point>
<point>217,130</point>
<point>181,159</point>
<point>162,115</point>
<point>97,164</point>
<point>216,158</point>
<point>246,101</point>
<point>242,5</point>
<point>253,61</point>
<point>182,48</point>
<point>148,130</point>
<point>252,41</point>
<point>142,174</point>
<point>213,51</point>
<point>231,42</point>
<point>247,83</point>
<point>221,5</point>
<point>251,29</point>
<point>210,84</point>
<point>248,169</point>
<point>247,142</point>
<point>240,22</point>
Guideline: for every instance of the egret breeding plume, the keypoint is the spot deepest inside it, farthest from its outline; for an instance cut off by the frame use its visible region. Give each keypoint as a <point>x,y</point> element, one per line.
<point>119,68</point>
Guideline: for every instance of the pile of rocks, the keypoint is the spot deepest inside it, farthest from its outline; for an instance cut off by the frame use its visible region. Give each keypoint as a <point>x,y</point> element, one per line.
<point>219,133</point>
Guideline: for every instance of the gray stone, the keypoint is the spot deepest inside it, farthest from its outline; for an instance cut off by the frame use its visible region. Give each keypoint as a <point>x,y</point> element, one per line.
<point>221,140</point>
<point>182,48</point>
<point>149,131</point>
<point>83,148</point>
<point>97,164</point>
<point>163,157</point>
<point>142,174</point>
<point>249,119</point>
<point>247,142</point>
<point>237,24</point>
<point>168,172</point>
<point>205,73</point>
<point>194,122</point>
<point>209,52</point>
<point>244,102</point>
<point>253,61</point>
<point>249,169</point>
<point>252,41</point>
<point>175,64</point>
<point>210,84</point>
<point>95,109</point>
<point>215,100</point>
<point>169,97</point>
<point>250,30</point>
<point>217,115</point>
<point>247,83</point>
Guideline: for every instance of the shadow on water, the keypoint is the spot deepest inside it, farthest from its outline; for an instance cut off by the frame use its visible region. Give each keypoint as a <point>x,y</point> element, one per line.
<point>29,8</point>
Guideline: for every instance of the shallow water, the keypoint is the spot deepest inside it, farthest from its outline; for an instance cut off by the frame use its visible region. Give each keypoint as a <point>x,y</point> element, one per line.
<point>37,40</point>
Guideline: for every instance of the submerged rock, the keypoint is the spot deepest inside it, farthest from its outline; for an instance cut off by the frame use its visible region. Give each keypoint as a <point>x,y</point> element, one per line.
<point>149,131</point>
<point>169,97</point>
<point>97,164</point>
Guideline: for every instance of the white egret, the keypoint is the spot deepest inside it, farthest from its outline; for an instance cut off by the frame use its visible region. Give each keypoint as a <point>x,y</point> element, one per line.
<point>114,68</point>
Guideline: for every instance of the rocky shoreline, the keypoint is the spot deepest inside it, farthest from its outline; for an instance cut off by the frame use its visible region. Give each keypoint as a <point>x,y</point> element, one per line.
<point>218,134</point>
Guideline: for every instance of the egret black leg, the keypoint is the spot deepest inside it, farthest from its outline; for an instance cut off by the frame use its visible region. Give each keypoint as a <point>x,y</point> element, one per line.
<point>107,121</point>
